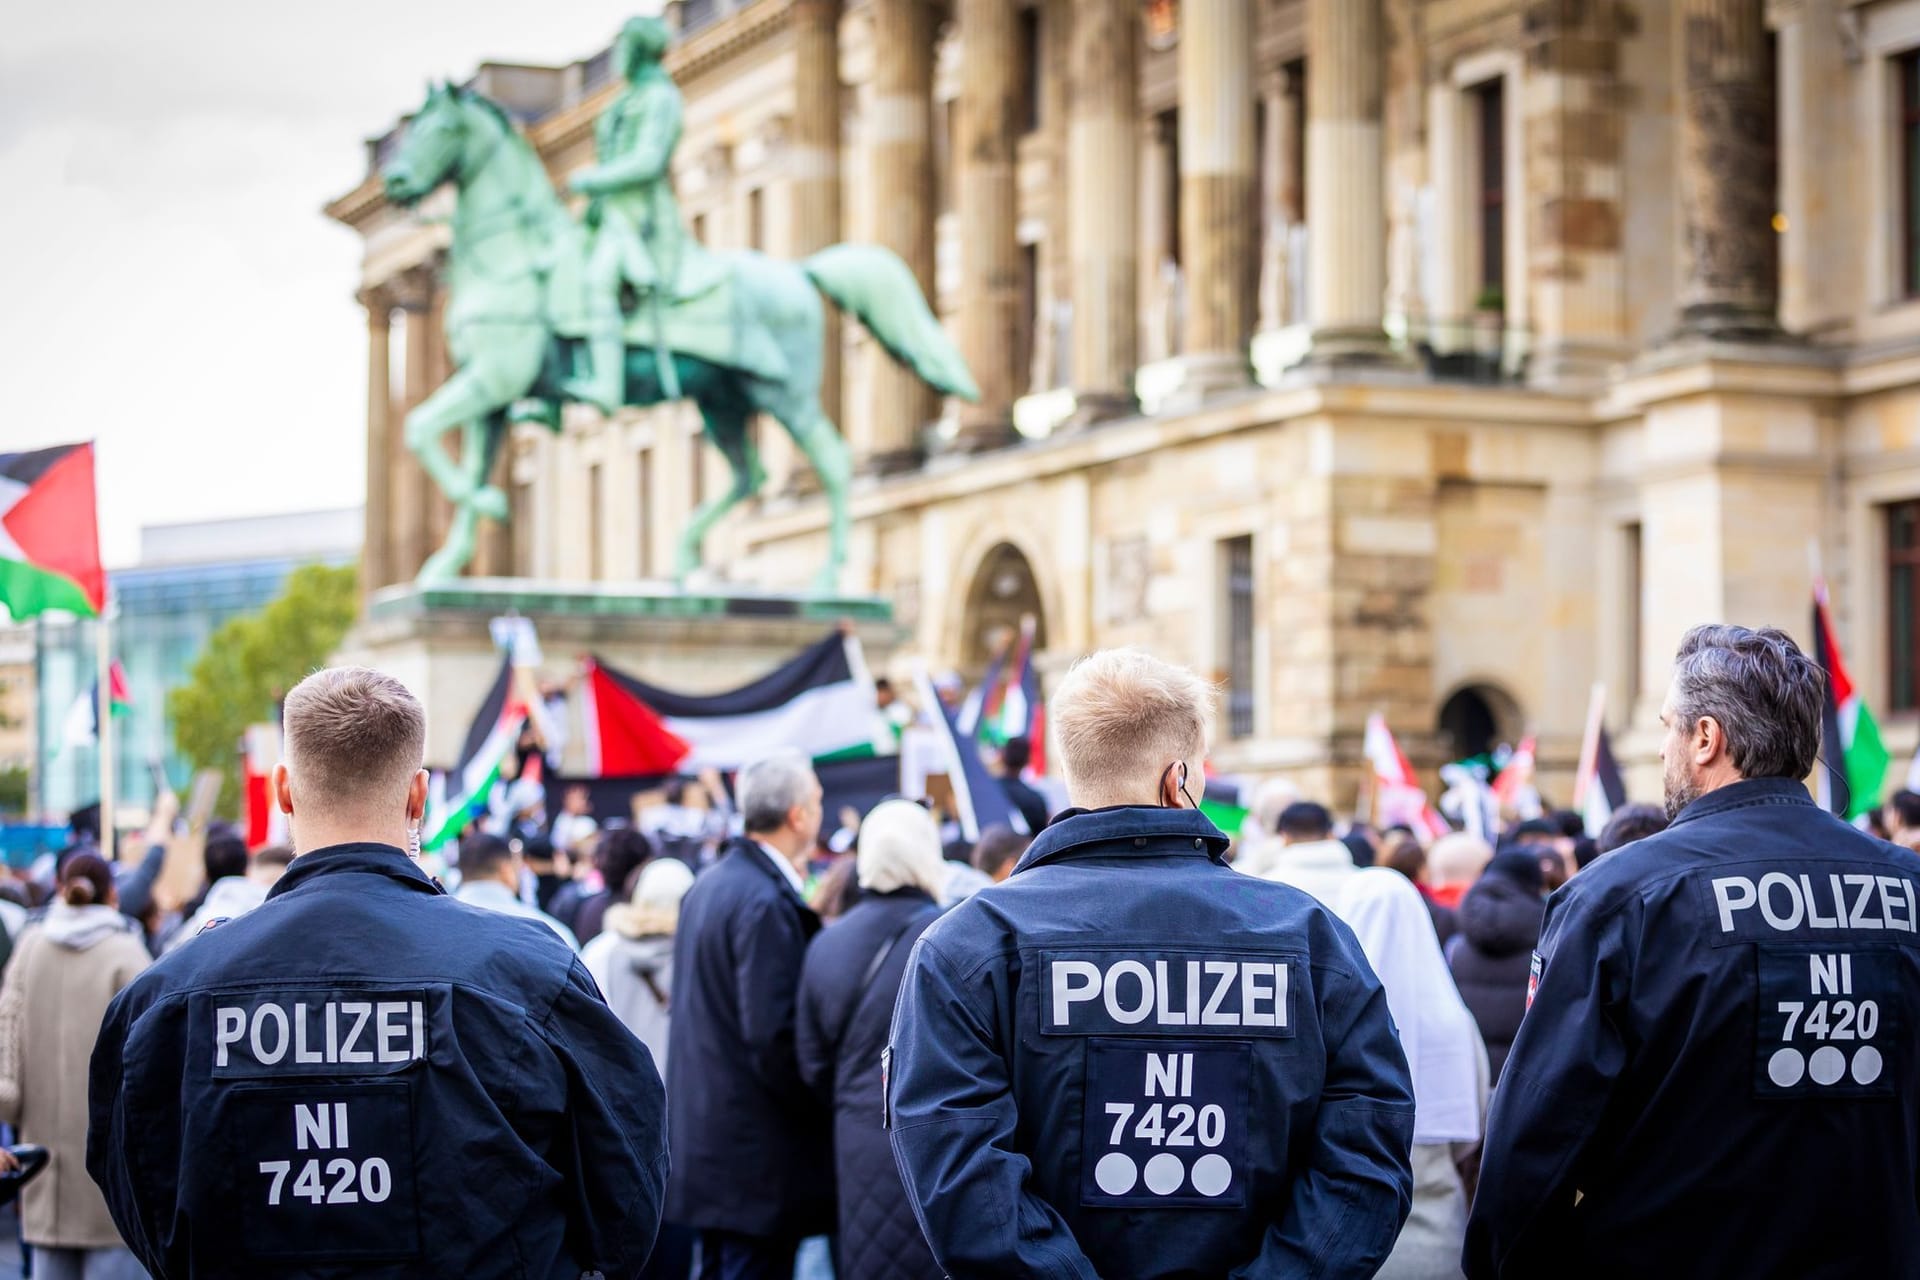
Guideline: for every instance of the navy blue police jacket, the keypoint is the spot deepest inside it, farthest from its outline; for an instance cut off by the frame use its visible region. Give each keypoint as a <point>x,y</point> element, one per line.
<point>364,1077</point>
<point>1130,1060</point>
<point>1714,1075</point>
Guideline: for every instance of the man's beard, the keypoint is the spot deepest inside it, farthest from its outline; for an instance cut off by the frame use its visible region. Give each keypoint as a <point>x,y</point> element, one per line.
<point>1681,790</point>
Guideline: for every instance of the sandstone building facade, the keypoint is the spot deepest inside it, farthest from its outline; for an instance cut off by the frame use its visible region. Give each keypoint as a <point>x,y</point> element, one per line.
<point>1434,357</point>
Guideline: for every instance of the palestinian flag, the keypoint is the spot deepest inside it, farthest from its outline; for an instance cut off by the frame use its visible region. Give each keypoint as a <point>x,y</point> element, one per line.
<point>1605,790</point>
<point>978,798</point>
<point>259,752</point>
<point>1399,799</point>
<point>1226,801</point>
<point>983,703</point>
<point>821,702</point>
<point>1849,739</point>
<point>83,717</point>
<point>1022,713</point>
<point>50,533</point>
<point>1514,788</point>
<point>463,790</point>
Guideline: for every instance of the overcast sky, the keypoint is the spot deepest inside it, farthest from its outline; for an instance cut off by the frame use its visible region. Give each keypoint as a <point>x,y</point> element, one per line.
<point>168,284</point>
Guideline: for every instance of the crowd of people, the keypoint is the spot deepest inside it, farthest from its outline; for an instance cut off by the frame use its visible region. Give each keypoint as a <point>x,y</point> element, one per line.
<point>769,958</point>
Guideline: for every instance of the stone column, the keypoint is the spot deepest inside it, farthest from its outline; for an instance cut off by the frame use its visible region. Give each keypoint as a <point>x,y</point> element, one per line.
<point>1158,272</point>
<point>1728,193</point>
<point>1820,258</point>
<point>411,488</point>
<point>1218,218</point>
<point>1279,195</point>
<point>813,159</point>
<point>375,571</point>
<point>1103,202</point>
<point>439,368</point>
<point>1346,215</point>
<point>989,213</point>
<point>1573,129</point>
<point>899,132</point>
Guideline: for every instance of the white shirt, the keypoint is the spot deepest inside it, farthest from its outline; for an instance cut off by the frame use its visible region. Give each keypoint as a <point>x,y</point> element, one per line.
<point>497,897</point>
<point>786,867</point>
<point>1439,1036</point>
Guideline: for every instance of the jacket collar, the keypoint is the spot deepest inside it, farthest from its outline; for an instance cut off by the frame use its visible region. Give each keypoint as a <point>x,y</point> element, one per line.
<point>1746,792</point>
<point>1125,831</point>
<point>363,857</point>
<point>749,852</point>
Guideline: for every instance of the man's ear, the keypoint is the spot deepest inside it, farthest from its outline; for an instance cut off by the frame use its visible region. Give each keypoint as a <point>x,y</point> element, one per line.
<point>280,783</point>
<point>417,797</point>
<point>1709,741</point>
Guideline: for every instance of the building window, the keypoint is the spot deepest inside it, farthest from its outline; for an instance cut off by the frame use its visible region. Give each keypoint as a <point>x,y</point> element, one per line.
<point>644,461</point>
<point>1910,174</point>
<point>946,158</point>
<point>1030,62</point>
<point>1903,606</point>
<point>1490,191</point>
<point>1632,572</point>
<point>1236,576</point>
<point>596,511</point>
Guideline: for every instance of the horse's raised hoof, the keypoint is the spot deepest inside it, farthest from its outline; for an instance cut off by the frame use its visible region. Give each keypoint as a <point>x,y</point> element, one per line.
<point>489,501</point>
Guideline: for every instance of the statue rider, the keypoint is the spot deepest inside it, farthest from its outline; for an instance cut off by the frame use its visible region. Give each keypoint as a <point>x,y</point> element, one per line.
<point>632,214</point>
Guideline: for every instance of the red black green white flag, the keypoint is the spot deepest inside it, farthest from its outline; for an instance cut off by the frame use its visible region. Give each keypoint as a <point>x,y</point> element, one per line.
<point>50,533</point>
<point>1849,739</point>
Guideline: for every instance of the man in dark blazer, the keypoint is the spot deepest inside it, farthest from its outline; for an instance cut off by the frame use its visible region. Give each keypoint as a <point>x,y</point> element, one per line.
<point>752,1155</point>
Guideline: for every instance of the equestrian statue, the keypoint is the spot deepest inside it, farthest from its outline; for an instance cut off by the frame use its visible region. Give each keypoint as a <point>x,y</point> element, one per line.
<point>629,309</point>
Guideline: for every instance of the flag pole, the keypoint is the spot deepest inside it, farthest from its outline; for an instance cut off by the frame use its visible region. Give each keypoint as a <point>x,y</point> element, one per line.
<point>103,660</point>
<point>1590,743</point>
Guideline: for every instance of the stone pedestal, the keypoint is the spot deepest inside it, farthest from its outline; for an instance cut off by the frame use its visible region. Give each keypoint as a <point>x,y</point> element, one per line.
<point>435,640</point>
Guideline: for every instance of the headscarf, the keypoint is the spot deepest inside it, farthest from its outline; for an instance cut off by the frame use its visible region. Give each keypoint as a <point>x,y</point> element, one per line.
<point>899,849</point>
<point>655,909</point>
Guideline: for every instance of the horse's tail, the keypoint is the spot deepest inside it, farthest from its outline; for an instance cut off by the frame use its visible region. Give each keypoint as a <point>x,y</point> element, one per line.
<point>875,285</point>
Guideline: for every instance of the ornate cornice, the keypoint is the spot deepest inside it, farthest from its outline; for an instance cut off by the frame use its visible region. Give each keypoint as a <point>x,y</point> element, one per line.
<point>733,35</point>
<point>359,205</point>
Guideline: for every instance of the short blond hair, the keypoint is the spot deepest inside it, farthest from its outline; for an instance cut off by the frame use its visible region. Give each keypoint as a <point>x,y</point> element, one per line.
<point>354,739</point>
<point>1121,717</point>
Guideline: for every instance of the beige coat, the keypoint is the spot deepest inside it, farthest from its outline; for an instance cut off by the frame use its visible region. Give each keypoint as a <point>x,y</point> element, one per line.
<point>64,971</point>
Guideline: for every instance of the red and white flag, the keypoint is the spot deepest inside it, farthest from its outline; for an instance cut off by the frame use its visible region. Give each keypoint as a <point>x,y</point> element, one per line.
<point>260,751</point>
<point>1400,800</point>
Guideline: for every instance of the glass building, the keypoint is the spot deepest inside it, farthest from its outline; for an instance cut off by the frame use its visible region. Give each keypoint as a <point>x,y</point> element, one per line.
<point>166,608</point>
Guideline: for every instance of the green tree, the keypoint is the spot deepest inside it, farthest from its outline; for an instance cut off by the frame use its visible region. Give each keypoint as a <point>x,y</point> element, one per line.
<point>251,662</point>
<point>13,789</point>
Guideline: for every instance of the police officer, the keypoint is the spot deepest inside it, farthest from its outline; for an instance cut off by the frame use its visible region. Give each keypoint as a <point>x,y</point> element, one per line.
<point>363,1076</point>
<point>1131,1060</point>
<point>1713,1074</point>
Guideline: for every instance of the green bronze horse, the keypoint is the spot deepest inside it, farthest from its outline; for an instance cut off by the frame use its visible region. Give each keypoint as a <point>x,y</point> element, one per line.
<point>515,323</point>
